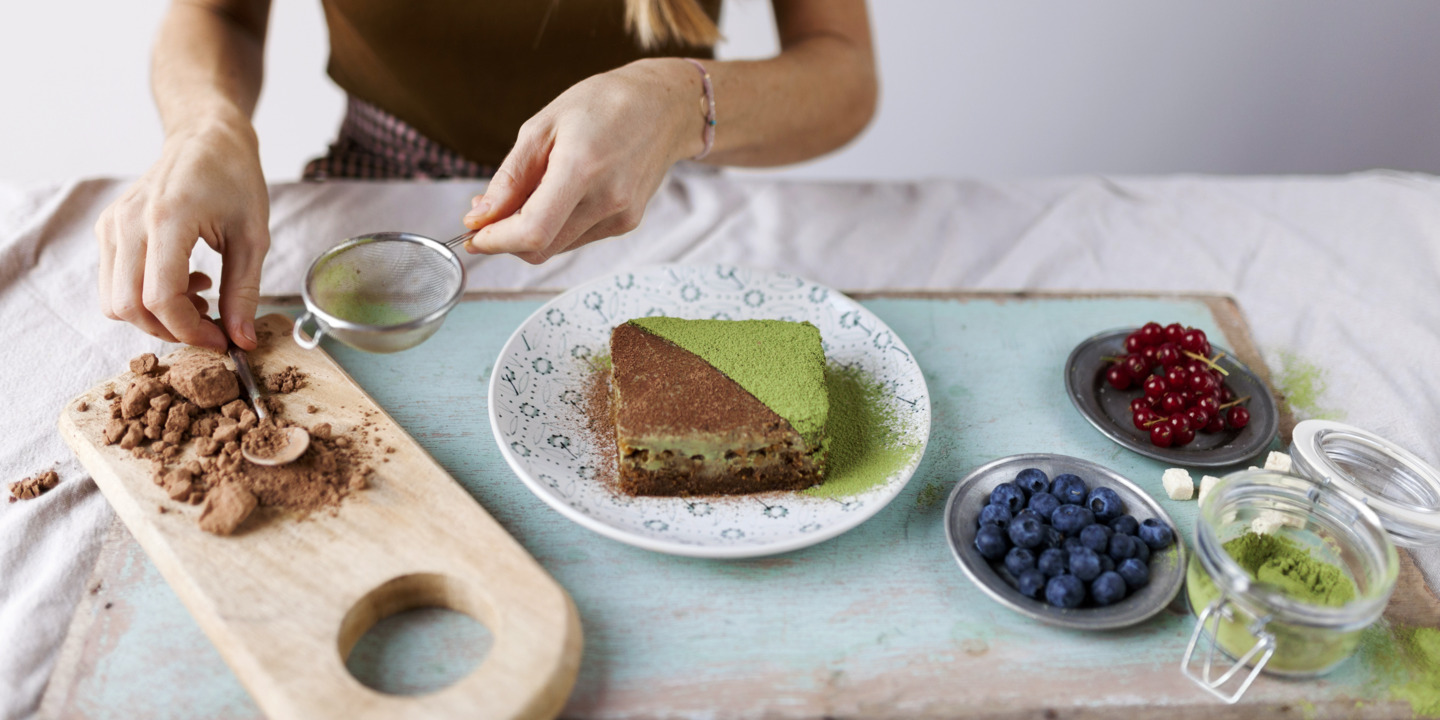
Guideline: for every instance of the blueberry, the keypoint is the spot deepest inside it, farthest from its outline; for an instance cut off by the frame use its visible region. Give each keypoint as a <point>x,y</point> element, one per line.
<point>1107,563</point>
<point>1009,495</point>
<point>1065,591</point>
<point>1032,583</point>
<point>1027,512</point>
<point>1070,489</point>
<point>1071,543</point>
<point>1026,532</point>
<point>1053,538</point>
<point>1033,480</point>
<point>1122,547</point>
<point>1043,503</point>
<point>1085,564</point>
<point>1053,562</point>
<point>1071,519</point>
<point>1108,589</point>
<point>1142,551</point>
<point>995,515</point>
<point>1125,525</point>
<point>1156,534</point>
<point>1019,560</point>
<point>1105,503</point>
<point>1135,572</point>
<point>990,540</point>
<point>1096,537</point>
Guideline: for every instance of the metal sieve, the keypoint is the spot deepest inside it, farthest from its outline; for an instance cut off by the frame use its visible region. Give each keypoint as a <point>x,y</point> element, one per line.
<point>381,293</point>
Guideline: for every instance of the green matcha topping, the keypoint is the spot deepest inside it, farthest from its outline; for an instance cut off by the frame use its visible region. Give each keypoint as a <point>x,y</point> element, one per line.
<point>781,363</point>
<point>1279,562</point>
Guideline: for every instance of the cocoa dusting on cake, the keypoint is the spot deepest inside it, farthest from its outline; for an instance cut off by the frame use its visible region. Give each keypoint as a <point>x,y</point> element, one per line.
<point>191,423</point>
<point>34,486</point>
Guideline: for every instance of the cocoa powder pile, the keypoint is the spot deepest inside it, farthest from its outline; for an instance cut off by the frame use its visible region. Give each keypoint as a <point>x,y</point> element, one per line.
<point>33,487</point>
<point>190,421</point>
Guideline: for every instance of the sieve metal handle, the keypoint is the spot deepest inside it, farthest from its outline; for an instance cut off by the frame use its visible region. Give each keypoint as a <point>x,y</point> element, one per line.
<point>311,341</point>
<point>1218,611</point>
<point>460,239</point>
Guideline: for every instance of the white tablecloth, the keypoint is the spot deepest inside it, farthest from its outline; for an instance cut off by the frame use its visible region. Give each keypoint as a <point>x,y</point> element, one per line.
<point>1339,273</point>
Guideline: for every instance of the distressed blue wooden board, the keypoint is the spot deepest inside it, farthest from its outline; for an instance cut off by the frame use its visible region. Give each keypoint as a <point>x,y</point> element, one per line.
<point>879,620</point>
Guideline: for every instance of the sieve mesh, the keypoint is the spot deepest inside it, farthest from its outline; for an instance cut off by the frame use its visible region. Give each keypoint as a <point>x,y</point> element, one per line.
<point>384,281</point>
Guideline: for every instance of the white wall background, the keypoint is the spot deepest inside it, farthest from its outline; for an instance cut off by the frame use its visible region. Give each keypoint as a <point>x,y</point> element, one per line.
<point>970,87</point>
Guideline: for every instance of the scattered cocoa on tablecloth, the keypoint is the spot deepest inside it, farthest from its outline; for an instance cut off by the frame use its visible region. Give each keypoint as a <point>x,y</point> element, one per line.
<point>34,486</point>
<point>196,403</point>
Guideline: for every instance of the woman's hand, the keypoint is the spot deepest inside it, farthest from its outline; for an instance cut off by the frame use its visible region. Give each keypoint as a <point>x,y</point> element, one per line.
<point>206,184</point>
<point>584,167</point>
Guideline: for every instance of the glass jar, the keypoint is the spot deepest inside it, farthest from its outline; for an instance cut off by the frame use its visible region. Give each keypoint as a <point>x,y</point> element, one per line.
<point>1256,624</point>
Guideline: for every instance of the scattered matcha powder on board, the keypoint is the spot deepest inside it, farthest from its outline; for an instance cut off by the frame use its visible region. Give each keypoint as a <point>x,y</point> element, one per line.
<point>1406,661</point>
<point>1302,383</point>
<point>865,446</point>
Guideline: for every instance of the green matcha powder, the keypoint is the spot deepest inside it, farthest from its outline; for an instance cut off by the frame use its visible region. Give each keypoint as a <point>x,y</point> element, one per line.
<point>866,446</point>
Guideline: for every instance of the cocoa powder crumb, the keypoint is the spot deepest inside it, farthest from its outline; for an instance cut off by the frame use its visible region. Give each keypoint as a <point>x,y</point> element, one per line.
<point>144,364</point>
<point>226,508</point>
<point>311,409</point>
<point>204,379</point>
<point>286,381</point>
<point>110,394</point>
<point>34,486</point>
<point>82,406</point>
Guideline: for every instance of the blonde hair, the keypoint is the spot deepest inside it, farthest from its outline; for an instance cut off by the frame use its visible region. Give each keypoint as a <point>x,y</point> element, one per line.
<point>663,22</point>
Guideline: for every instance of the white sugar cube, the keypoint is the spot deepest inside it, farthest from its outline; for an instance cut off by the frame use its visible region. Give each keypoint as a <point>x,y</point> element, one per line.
<point>1178,484</point>
<point>1268,521</point>
<point>1206,482</point>
<point>1278,462</point>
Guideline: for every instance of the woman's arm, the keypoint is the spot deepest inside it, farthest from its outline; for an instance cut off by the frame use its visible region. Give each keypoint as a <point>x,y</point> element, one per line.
<point>206,76</point>
<point>585,166</point>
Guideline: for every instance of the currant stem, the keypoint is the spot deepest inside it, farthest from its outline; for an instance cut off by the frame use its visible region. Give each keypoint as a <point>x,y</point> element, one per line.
<point>1234,402</point>
<point>1207,361</point>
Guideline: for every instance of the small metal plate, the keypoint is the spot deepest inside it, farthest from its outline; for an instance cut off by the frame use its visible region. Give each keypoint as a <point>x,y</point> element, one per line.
<point>1108,409</point>
<point>962,510</point>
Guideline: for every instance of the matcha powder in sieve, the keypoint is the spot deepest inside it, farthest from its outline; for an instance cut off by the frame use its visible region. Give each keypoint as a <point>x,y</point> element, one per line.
<point>866,447</point>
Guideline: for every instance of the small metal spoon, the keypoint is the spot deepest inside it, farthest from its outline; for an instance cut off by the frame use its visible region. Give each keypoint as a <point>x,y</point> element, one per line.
<point>296,439</point>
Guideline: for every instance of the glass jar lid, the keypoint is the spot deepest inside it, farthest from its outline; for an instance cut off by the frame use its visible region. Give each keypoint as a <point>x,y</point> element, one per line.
<point>1402,489</point>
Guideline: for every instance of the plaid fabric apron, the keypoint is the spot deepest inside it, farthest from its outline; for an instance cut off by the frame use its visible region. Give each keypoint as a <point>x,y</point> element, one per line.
<point>375,145</point>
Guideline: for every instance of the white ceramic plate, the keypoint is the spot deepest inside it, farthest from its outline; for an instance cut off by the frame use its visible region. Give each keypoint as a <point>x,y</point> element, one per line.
<point>537,391</point>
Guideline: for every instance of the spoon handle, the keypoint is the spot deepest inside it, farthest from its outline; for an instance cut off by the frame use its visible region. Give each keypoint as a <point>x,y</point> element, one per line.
<point>460,239</point>
<point>242,368</point>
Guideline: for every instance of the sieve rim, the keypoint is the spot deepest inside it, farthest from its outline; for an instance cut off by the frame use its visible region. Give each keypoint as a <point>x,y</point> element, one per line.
<point>335,323</point>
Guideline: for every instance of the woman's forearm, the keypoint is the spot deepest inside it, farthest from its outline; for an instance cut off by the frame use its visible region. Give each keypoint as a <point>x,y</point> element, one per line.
<point>815,96</point>
<point>208,63</point>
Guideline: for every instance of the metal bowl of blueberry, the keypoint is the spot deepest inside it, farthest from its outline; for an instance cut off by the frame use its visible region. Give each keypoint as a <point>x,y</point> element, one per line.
<point>1065,541</point>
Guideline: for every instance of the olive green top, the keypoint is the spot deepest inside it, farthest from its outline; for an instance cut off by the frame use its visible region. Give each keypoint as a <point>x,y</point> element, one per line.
<point>781,363</point>
<point>467,73</point>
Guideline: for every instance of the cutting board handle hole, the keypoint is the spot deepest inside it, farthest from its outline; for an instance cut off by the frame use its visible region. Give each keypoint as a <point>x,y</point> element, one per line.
<point>415,634</point>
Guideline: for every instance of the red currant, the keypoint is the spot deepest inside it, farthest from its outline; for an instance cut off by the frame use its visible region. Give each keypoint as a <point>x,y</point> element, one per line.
<point>1149,353</point>
<point>1182,437</point>
<point>1143,417</point>
<point>1201,383</point>
<point>1176,377</point>
<point>1177,422</point>
<point>1173,332</point>
<point>1167,354</point>
<point>1208,405</point>
<point>1216,424</point>
<point>1118,377</point>
<point>1172,403</point>
<point>1134,343</point>
<point>1161,435</point>
<point>1193,340</point>
<point>1152,333</point>
<point>1198,418</point>
<point>1237,418</point>
<point>1226,394</point>
<point>1139,403</point>
<point>1137,366</point>
<point>1155,387</point>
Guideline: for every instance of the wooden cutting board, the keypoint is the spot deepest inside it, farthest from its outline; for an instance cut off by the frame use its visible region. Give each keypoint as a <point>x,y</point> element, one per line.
<point>285,599</point>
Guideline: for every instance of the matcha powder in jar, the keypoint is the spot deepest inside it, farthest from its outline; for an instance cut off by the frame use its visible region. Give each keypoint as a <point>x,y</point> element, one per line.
<point>1284,576</point>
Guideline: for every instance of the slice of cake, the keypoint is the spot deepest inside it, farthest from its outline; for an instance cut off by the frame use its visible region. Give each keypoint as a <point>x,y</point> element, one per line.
<point>718,407</point>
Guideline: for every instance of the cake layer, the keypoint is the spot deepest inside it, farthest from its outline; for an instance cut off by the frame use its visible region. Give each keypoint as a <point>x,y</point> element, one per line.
<point>684,428</point>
